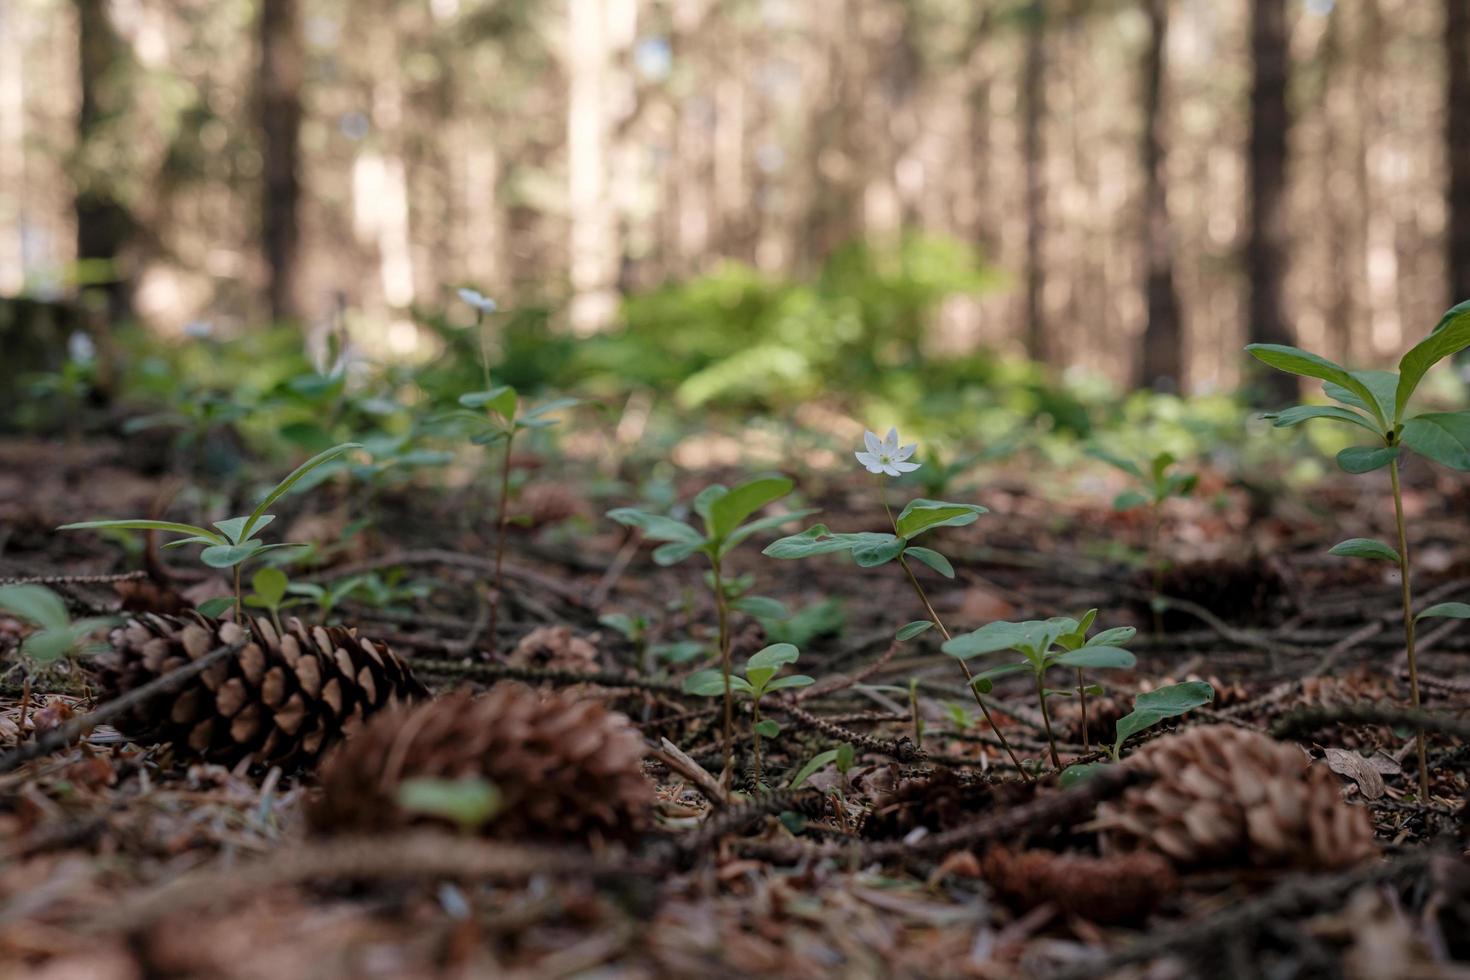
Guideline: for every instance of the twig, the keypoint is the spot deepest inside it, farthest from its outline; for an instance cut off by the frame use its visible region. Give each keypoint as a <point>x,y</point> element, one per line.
<point>79,726</point>
<point>76,579</point>
<point>1306,720</point>
<point>903,748</point>
<point>535,675</point>
<point>740,816</point>
<point>679,761</point>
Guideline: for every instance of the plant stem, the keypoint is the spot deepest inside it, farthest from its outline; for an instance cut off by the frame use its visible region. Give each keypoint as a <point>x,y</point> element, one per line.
<point>239,603</point>
<point>1051,741</point>
<point>1082,693</point>
<point>969,677</point>
<point>723,613</point>
<point>1155,560</point>
<point>914,715</point>
<point>500,520</point>
<point>756,731</point>
<point>1398,511</point>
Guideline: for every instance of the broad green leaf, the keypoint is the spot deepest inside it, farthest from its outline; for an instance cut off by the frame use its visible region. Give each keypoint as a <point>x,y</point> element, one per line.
<point>1097,657</point>
<point>235,527</point>
<point>706,683</point>
<point>870,549</point>
<point>270,585</point>
<point>546,408</point>
<point>1450,335</point>
<point>1129,499</point>
<point>1305,413</point>
<point>1115,461</point>
<point>469,802</point>
<point>284,487</point>
<point>761,607</point>
<point>987,639</point>
<point>910,630</point>
<point>675,552</point>
<point>1446,610</point>
<point>501,400</point>
<point>196,539</point>
<point>776,655</point>
<point>730,511</point>
<point>1152,707</point>
<point>126,525</point>
<point>1364,548</point>
<point>758,676</point>
<point>984,681</point>
<point>1381,384</point>
<point>812,765</point>
<point>768,728</point>
<point>790,680</point>
<point>1116,636</point>
<point>1078,773</point>
<point>933,559</point>
<point>656,526</point>
<point>1441,436</point>
<point>216,607</point>
<point>1085,623</point>
<point>845,756</point>
<point>923,515</point>
<point>679,652</point>
<point>35,604</point>
<point>48,645</point>
<point>228,555</point>
<point>1294,360</point>
<point>764,524</point>
<point>815,540</point>
<point>1366,459</point>
<point>706,498</point>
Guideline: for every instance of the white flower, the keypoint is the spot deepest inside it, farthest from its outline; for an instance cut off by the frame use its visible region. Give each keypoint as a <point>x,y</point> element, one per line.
<point>886,455</point>
<point>478,301</point>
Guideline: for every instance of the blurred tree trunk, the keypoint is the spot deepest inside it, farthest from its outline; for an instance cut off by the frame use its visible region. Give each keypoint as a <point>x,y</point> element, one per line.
<point>1163,337</point>
<point>281,67</point>
<point>1033,150</point>
<point>1266,247</point>
<point>1457,139</point>
<point>592,248</point>
<point>105,225</point>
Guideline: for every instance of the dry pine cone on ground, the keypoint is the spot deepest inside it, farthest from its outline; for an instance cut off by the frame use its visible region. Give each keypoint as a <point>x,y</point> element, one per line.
<point>1228,797</point>
<point>566,769</point>
<point>280,700</point>
<point>1116,889</point>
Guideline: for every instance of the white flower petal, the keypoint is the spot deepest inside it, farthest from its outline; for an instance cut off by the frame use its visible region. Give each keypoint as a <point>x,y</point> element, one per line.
<point>903,467</point>
<point>874,444</point>
<point>890,469</point>
<point>904,452</point>
<point>890,442</point>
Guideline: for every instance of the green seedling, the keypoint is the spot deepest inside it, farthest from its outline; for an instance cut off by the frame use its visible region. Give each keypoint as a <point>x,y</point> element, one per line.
<point>1152,707</point>
<point>725,513</point>
<point>1157,482</point>
<point>468,803</point>
<point>57,635</point>
<point>1378,402</point>
<point>235,541</point>
<point>760,679</point>
<point>871,549</point>
<point>1044,644</point>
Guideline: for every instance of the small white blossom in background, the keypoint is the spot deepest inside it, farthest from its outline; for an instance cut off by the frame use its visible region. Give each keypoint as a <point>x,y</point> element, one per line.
<point>886,455</point>
<point>478,301</point>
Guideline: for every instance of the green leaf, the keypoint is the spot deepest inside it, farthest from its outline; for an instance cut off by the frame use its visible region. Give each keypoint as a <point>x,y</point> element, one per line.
<point>815,540</point>
<point>1097,657</point>
<point>1441,436</point>
<point>675,552</point>
<point>1075,775</point>
<point>679,652</point>
<point>1129,499</point>
<point>1305,413</point>
<point>988,639</point>
<point>1364,548</point>
<point>910,630</point>
<point>1450,335</point>
<point>1381,384</point>
<point>729,511</point>
<point>216,607</point>
<point>812,765</point>
<point>764,524</point>
<point>48,645</point>
<point>706,499</point>
<point>128,525</point>
<point>270,585</point>
<point>923,515</point>
<point>35,604</point>
<point>468,802</point>
<point>280,489</point>
<point>790,680</point>
<point>705,683</point>
<point>768,728</point>
<point>761,607</point>
<point>846,754</point>
<point>1445,610</point>
<point>985,680</point>
<point>758,676</point>
<point>546,408</point>
<point>1294,360</point>
<point>933,559</point>
<point>1152,707</point>
<point>777,655</point>
<point>501,400</point>
<point>1366,459</point>
<point>870,549</point>
<point>228,555</point>
<point>1116,636</point>
<point>1115,461</point>
<point>656,526</point>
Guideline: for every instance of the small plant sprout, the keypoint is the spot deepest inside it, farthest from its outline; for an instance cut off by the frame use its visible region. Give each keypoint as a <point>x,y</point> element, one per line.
<point>872,548</point>
<point>760,679</point>
<point>1377,401</point>
<point>268,591</point>
<point>725,512</point>
<point>1157,482</point>
<point>1044,644</point>
<point>235,541</point>
<point>57,635</point>
<point>468,803</point>
<point>1152,707</point>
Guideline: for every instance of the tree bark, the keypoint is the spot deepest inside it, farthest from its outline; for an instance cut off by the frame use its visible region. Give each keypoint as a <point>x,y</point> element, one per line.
<point>1457,144</point>
<point>1033,149</point>
<point>1162,363</point>
<point>281,70</point>
<point>1266,247</point>
<point>105,225</point>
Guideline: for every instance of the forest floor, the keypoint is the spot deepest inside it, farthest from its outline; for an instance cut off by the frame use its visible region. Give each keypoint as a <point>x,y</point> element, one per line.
<point>929,857</point>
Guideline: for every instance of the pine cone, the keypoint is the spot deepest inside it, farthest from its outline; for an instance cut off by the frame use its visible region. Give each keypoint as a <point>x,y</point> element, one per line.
<point>555,648</point>
<point>1115,890</point>
<point>942,801</point>
<point>280,701</point>
<point>565,768</point>
<point>1228,797</point>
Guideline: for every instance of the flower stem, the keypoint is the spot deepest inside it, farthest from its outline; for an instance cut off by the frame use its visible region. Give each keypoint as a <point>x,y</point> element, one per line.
<point>756,732</point>
<point>500,522</point>
<point>1082,693</point>
<point>1398,511</point>
<point>239,601</point>
<point>969,677</point>
<point>1051,741</point>
<point>722,611</point>
<point>1156,561</point>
